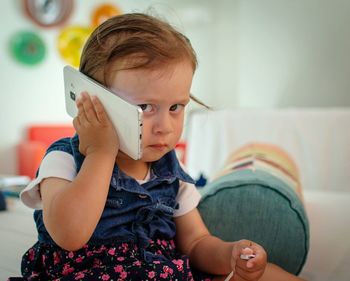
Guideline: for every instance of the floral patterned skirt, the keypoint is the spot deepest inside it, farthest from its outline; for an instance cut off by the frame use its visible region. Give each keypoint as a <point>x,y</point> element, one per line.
<point>118,261</point>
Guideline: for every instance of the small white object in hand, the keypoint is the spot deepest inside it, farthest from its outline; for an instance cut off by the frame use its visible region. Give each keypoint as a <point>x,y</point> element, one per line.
<point>247,257</point>
<point>243,257</point>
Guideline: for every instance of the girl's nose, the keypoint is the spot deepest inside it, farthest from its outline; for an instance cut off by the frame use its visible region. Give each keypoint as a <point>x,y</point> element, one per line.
<point>162,124</point>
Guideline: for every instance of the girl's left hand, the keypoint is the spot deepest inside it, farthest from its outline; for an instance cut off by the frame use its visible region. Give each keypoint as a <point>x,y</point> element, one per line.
<point>251,269</point>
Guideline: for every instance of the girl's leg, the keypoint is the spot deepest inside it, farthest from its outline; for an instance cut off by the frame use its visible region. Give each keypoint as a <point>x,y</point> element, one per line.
<point>272,273</point>
<point>275,273</point>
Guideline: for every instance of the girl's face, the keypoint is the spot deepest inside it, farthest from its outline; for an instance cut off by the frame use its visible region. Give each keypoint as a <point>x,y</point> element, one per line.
<point>162,94</point>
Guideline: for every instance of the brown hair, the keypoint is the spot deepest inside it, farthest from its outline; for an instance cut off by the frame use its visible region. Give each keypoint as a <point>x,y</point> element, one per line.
<point>131,41</point>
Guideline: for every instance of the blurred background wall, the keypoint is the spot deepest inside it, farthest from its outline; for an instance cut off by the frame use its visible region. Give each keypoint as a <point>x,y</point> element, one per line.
<point>252,53</point>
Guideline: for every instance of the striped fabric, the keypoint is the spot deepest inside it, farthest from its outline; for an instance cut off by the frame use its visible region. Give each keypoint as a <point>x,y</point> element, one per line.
<point>265,157</point>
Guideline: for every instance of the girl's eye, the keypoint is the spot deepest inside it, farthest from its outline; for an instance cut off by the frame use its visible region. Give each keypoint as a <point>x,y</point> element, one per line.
<point>176,107</point>
<point>146,107</point>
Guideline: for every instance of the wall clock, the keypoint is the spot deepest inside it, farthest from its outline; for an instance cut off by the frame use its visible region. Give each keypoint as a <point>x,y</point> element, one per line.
<point>48,13</point>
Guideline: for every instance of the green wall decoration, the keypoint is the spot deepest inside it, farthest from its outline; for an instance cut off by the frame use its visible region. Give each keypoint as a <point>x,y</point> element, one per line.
<point>27,47</point>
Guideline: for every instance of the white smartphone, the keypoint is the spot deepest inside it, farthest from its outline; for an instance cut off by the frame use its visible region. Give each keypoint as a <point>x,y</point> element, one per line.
<point>126,117</point>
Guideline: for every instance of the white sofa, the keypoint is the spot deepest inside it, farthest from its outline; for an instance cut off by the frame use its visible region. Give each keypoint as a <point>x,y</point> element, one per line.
<point>319,141</point>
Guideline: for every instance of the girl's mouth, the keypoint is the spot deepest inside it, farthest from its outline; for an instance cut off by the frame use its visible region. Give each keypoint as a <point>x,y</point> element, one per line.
<point>159,146</point>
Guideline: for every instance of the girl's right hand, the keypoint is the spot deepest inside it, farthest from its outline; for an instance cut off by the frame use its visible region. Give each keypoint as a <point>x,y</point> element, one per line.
<point>94,128</point>
<point>252,269</point>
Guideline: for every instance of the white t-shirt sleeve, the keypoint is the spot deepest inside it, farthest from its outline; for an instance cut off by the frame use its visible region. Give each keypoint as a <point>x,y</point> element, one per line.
<point>58,164</point>
<point>188,198</point>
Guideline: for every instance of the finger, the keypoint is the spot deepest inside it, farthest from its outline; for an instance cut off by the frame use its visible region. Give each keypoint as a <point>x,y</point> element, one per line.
<point>89,108</point>
<point>237,250</point>
<point>100,111</point>
<point>248,254</point>
<point>260,258</point>
<point>242,244</point>
<point>76,123</point>
<point>245,272</point>
<point>246,243</point>
<point>247,251</point>
<point>242,265</point>
<point>81,112</point>
<point>242,247</point>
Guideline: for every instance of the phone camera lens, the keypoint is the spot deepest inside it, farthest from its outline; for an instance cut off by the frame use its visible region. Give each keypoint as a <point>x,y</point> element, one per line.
<point>72,95</point>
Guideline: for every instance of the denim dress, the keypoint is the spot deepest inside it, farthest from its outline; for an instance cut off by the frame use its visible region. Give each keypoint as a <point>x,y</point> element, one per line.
<point>133,239</point>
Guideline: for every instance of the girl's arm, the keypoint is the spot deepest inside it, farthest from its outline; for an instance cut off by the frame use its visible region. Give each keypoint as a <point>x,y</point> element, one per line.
<point>211,254</point>
<point>71,210</point>
<point>206,252</point>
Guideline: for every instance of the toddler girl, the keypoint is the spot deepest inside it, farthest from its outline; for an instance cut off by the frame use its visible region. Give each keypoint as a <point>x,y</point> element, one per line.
<point>102,215</point>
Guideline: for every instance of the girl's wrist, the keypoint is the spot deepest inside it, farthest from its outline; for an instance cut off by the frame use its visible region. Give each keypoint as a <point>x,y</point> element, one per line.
<point>102,154</point>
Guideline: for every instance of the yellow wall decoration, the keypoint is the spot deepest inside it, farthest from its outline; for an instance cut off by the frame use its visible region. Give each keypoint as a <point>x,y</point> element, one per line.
<point>71,41</point>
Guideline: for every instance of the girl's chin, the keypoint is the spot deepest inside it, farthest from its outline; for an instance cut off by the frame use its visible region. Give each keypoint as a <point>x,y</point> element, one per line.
<point>154,155</point>
<point>148,155</point>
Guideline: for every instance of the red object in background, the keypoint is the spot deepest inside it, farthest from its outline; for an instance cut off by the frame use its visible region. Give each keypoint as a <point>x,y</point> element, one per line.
<point>31,150</point>
<point>180,150</point>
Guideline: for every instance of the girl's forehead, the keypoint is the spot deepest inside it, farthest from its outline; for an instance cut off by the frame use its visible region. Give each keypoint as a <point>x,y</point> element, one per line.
<point>161,70</point>
<point>177,75</point>
<point>145,84</point>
